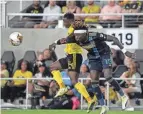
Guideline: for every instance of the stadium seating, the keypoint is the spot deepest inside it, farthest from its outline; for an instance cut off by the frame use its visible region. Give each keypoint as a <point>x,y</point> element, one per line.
<point>119,71</point>
<point>30,56</point>
<point>9,57</point>
<point>139,58</point>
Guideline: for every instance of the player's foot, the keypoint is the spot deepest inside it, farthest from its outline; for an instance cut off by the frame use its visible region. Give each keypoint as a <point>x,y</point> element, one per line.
<point>104,110</point>
<point>125,100</point>
<point>61,92</point>
<point>91,105</point>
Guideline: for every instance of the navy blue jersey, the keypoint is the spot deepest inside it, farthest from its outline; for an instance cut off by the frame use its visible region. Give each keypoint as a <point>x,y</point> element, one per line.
<point>95,45</point>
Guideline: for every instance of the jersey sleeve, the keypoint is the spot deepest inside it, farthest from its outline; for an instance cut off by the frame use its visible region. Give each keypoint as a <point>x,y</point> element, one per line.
<point>71,39</point>
<point>98,36</point>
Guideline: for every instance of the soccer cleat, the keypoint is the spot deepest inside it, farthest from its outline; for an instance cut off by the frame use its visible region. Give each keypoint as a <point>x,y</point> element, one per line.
<point>104,110</point>
<point>61,92</point>
<point>124,100</point>
<point>91,105</point>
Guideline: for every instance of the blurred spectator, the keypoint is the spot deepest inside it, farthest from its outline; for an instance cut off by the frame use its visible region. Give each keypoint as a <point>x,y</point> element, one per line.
<point>108,20</point>
<point>118,58</point>
<point>132,7</point>
<point>40,85</point>
<point>122,3</point>
<point>70,100</point>
<point>134,85</point>
<point>72,8</point>
<point>101,3</point>
<point>61,3</point>
<point>48,57</point>
<point>113,97</point>
<point>84,73</point>
<point>50,21</point>
<point>91,8</point>
<point>19,85</point>
<point>68,83</point>
<point>30,21</point>
<point>40,56</point>
<point>39,59</point>
<point>4,74</point>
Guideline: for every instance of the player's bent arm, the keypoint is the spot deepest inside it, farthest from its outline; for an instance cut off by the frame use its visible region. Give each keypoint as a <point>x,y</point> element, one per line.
<point>115,41</point>
<point>66,40</point>
<point>61,41</point>
<point>119,44</point>
<point>57,42</point>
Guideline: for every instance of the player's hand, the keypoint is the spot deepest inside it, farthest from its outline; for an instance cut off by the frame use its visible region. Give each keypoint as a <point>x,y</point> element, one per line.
<point>130,55</point>
<point>52,46</point>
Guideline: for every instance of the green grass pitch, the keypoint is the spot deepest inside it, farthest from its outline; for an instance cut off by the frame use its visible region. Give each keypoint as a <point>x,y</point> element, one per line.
<point>64,112</point>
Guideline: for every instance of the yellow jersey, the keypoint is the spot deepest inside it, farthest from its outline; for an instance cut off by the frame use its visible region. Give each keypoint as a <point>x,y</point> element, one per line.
<point>19,74</point>
<point>6,74</point>
<point>72,48</point>
<point>89,10</point>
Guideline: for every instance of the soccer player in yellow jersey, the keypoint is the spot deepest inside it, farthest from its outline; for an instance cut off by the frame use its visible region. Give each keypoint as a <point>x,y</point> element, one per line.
<point>72,62</point>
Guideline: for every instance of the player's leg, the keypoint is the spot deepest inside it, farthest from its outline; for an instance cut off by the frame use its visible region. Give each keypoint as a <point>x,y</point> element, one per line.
<point>55,67</point>
<point>95,72</point>
<point>95,67</point>
<point>74,63</point>
<point>107,69</point>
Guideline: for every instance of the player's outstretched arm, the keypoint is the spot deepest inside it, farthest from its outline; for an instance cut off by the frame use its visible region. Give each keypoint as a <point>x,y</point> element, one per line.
<point>119,44</point>
<point>57,42</point>
<point>61,41</point>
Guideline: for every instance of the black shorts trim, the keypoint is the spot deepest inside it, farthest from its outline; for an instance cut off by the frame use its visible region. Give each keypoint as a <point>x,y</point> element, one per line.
<point>72,62</point>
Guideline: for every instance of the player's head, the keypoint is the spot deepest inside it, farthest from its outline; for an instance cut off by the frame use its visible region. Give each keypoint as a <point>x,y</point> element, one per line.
<point>80,31</point>
<point>68,19</point>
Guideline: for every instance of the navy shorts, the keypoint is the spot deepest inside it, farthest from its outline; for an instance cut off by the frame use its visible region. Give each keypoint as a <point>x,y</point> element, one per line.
<point>100,63</point>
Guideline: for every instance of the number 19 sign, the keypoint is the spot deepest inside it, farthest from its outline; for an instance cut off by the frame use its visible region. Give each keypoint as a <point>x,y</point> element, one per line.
<point>128,37</point>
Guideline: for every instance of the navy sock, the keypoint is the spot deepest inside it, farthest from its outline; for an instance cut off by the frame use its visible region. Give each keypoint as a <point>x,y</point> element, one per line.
<point>117,87</point>
<point>98,93</point>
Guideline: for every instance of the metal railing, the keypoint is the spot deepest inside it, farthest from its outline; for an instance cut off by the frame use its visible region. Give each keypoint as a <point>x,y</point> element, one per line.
<point>2,13</point>
<point>60,15</point>
<point>80,79</point>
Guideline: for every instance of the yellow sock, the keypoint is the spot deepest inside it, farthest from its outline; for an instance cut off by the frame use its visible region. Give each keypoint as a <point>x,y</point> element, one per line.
<point>58,78</point>
<point>82,90</point>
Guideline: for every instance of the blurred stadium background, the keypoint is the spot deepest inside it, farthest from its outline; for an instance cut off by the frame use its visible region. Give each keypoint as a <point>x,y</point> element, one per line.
<point>125,21</point>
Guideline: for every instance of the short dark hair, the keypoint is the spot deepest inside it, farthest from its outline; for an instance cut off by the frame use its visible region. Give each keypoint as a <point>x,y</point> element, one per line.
<point>69,16</point>
<point>79,25</point>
